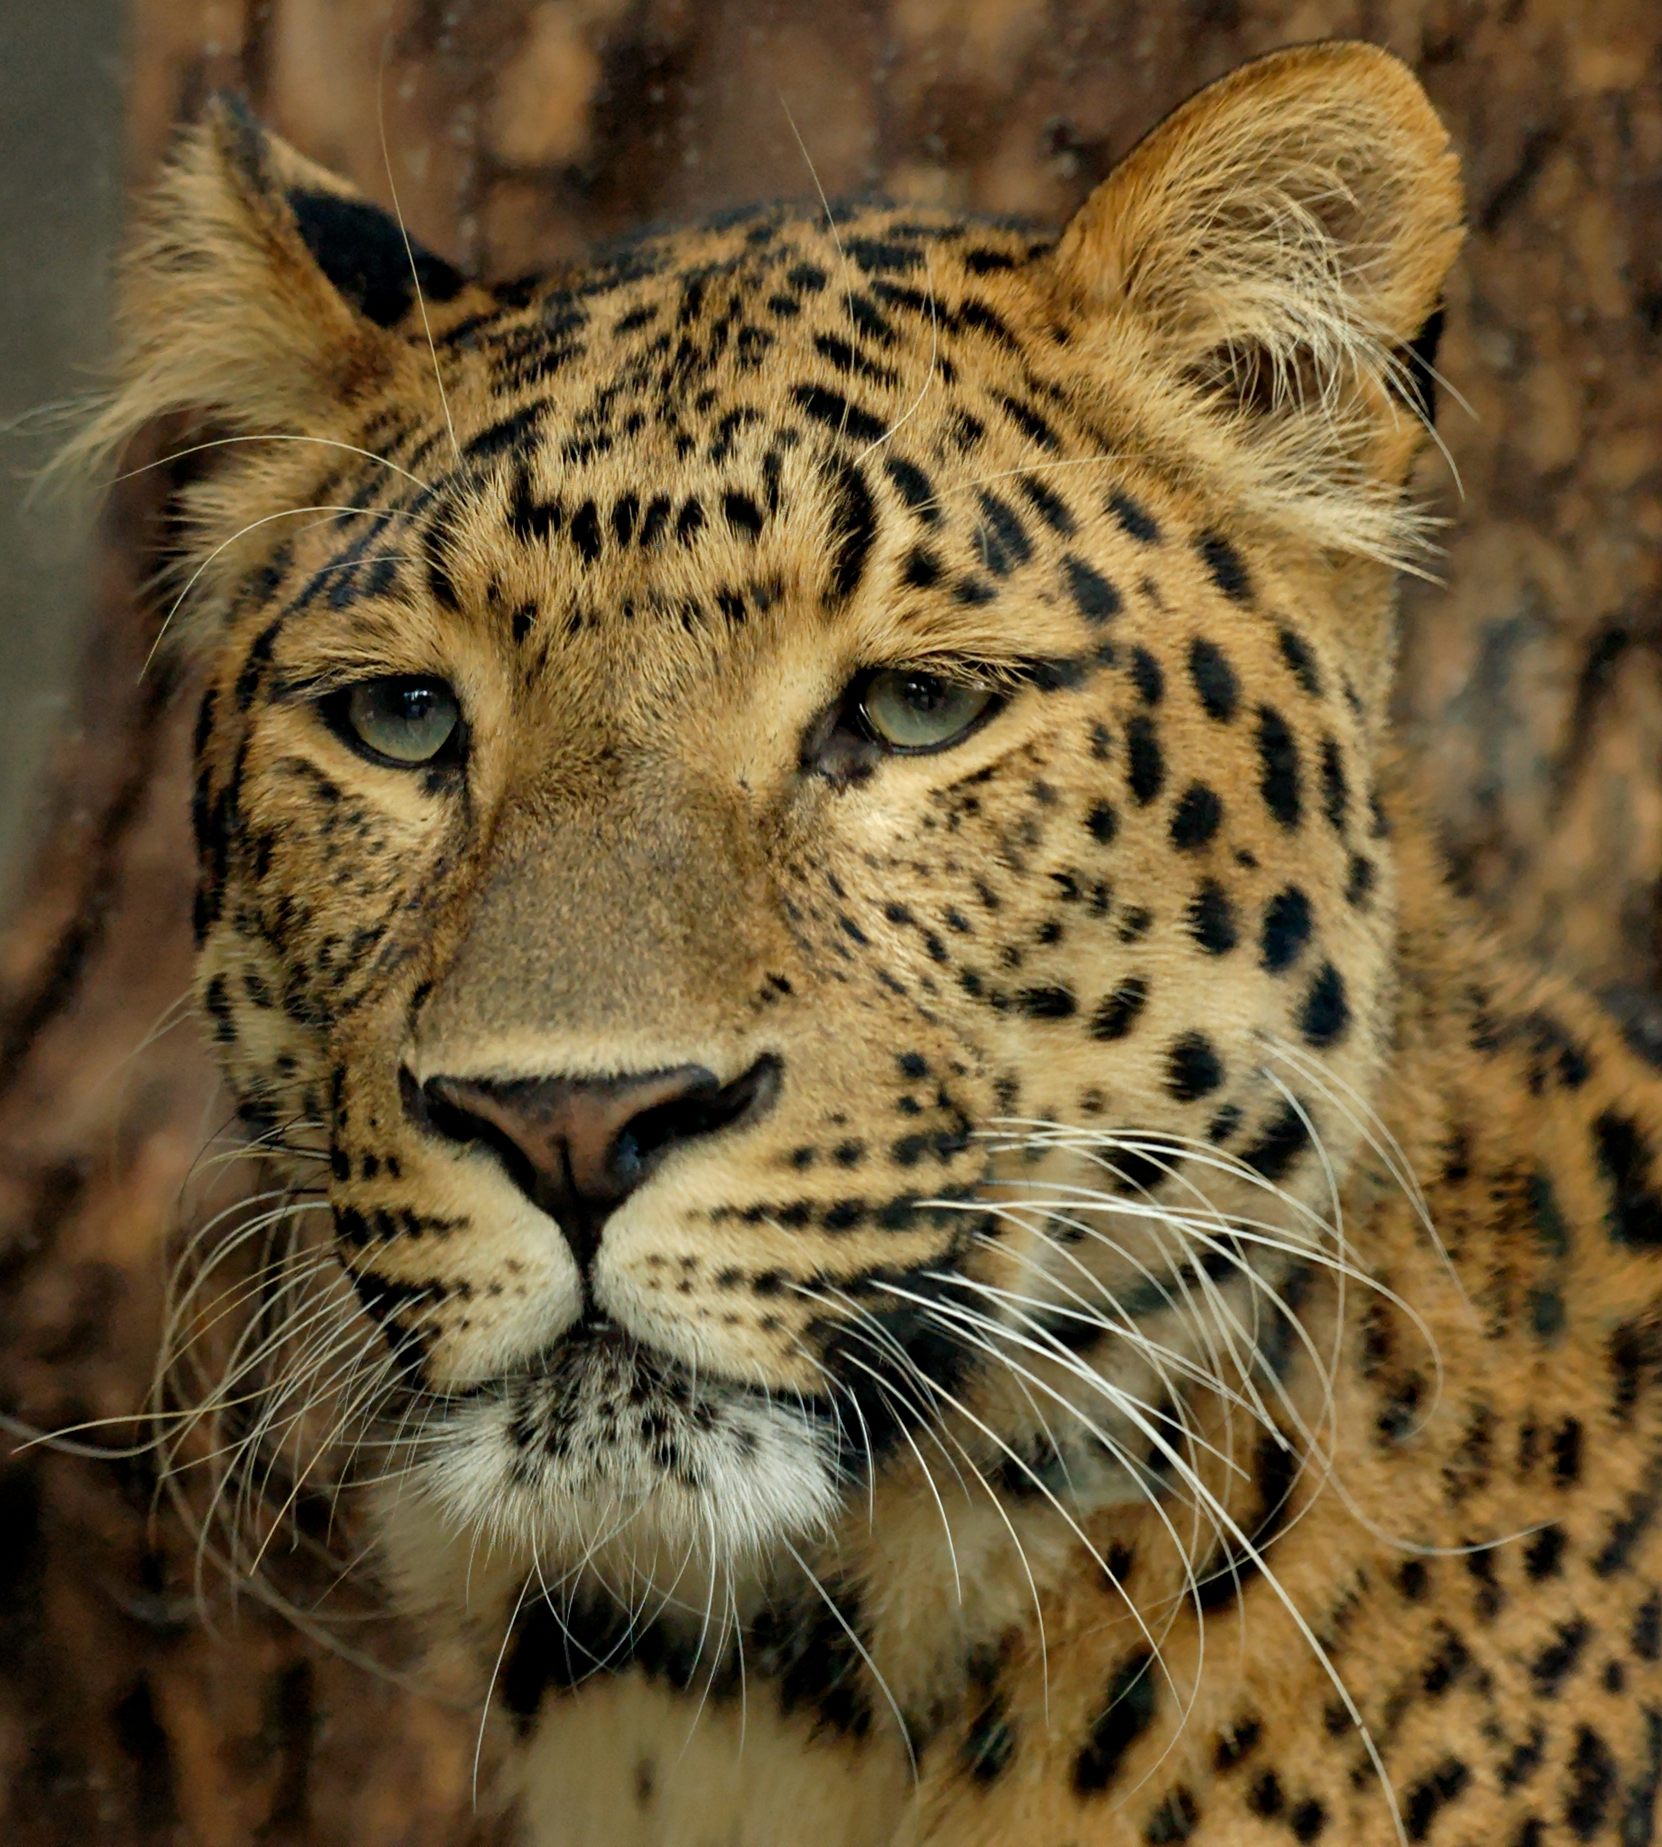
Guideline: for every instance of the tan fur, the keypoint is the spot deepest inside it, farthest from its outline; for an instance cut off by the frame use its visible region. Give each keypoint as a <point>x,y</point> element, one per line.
<point>1243,1264</point>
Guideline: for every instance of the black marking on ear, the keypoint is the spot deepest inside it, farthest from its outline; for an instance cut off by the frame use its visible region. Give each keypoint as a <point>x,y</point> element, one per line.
<point>361,250</point>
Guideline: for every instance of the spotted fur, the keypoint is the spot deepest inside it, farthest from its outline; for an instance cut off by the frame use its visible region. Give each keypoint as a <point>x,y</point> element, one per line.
<point>1172,1356</point>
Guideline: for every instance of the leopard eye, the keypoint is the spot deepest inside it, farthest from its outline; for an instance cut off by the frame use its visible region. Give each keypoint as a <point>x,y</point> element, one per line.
<point>404,719</point>
<point>906,710</point>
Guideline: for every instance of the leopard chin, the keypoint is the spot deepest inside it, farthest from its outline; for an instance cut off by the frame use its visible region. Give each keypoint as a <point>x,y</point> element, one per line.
<point>604,1453</point>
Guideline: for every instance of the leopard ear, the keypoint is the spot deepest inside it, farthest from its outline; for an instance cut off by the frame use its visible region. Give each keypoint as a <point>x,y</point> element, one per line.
<point>1279,245</point>
<point>258,291</point>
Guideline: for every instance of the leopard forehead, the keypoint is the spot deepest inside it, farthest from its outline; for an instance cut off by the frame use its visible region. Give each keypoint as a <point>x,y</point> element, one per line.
<point>876,419</point>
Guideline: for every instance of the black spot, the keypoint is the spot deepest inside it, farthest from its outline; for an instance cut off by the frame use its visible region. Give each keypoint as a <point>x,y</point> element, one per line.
<point>1001,538</point>
<point>882,256</point>
<point>1278,772</point>
<point>1544,1554</point>
<point>1093,596</point>
<point>1133,517</point>
<point>1029,422</point>
<point>1117,1013</point>
<point>1553,1665</point>
<point>1226,566</point>
<point>513,432</point>
<point>922,568</point>
<point>1335,790</point>
<point>853,530</point>
<point>914,488</point>
<point>1224,1124</point>
<point>1214,679</point>
<point>585,531</point>
<point>1326,1012</point>
<point>1050,507</point>
<point>1308,1819</point>
<point>1173,1821</point>
<point>1592,1787</point>
<point>811,1655</point>
<point>1212,919</point>
<point>1266,1798</point>
<point>837,413</point>
<point>1632,1525</point>
<point>1128,1712</point>
<point>1286,929</point>
<point>1431,1794</point>
<point>1647,1629</point>
<point>1102,822</point>
<point>689,522</point>
<point>1193,1068</point>
<point>1197,818</point>
<point>1296,653</point>
<point>850,361</point>
<point>990,1742</point>
<point>1052,1003</point>
<point>1238,1742</point>
<point>1634,1216</point>
<point>1566,1452</point>
<point>1279,1145</point>
<point>655,519</point>
<point>1147,771</point>
<point>964,430</point>
<point>1234,1567</point>
<point>741,513</point>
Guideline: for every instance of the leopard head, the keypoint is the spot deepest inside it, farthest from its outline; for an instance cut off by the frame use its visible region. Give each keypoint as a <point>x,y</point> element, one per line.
<point>790,812</point>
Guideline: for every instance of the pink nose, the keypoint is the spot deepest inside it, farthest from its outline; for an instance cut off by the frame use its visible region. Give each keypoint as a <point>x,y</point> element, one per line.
<point>578,1147</point>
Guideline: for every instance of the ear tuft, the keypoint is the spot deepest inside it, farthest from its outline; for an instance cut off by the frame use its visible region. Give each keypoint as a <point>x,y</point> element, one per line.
<point>258,294</point>
<point>1278,246</point>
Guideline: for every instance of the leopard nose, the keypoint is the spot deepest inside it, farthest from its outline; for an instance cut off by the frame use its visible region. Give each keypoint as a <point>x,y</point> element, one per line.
<point>578,1147</point>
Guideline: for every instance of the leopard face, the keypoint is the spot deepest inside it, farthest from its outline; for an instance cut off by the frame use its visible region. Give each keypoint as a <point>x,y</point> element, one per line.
<point>799,801</point>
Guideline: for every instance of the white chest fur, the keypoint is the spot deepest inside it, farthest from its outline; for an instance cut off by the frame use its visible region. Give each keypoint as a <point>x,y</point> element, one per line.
<point>622,1762</point>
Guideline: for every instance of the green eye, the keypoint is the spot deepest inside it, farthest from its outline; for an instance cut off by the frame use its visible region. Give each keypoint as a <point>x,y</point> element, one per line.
<point>406,719</point>
<point>911,711</point>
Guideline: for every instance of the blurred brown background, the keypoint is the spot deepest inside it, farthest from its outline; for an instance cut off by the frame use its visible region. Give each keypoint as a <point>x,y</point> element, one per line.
<point>517,130</point>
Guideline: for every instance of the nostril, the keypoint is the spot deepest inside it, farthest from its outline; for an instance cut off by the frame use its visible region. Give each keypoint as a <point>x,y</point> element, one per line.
<point>701,1110</point>
<point>414,1099</point>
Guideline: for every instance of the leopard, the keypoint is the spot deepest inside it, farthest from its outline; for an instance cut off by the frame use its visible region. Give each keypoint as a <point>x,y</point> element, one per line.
<point>939,1224</point>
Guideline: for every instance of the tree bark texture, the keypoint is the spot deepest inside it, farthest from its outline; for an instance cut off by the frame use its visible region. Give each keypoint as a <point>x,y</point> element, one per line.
<point>517,131</point>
